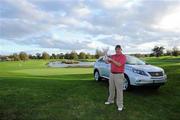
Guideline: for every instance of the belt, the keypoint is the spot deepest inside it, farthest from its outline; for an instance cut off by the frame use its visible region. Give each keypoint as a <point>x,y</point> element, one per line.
<point>117,72</point>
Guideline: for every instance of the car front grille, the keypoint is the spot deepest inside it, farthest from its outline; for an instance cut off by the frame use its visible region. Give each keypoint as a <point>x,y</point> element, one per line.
<point>156,74</point>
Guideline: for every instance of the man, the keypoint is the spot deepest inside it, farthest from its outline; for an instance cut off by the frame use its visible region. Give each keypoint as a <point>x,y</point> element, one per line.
<point>117,62</point>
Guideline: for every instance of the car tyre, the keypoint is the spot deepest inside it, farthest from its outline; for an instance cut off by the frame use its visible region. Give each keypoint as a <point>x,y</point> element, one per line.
<point>97,76</point>
<point>126,84</point>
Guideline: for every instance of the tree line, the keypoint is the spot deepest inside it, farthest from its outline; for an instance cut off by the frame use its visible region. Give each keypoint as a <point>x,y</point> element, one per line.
<point>156,51</point>
<point>159,51</point>
<point>24,56</point>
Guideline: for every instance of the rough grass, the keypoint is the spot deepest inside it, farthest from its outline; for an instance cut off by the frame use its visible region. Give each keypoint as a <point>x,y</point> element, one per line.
<point>31,91</point>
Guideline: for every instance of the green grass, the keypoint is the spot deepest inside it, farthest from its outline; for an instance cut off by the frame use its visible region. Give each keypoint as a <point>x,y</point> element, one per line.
<point>31,91</point>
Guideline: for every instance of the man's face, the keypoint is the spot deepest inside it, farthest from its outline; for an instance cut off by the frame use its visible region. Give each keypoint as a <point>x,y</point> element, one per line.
<point>118,50</point>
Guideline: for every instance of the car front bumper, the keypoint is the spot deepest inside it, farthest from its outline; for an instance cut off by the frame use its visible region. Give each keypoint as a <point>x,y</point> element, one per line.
<point>150,80</point>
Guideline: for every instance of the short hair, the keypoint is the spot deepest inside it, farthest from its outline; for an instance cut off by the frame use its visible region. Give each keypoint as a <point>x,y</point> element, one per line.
<point>118,46</point>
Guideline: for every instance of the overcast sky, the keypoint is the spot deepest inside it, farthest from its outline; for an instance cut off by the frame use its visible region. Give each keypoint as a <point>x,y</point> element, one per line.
<point>84,25</point>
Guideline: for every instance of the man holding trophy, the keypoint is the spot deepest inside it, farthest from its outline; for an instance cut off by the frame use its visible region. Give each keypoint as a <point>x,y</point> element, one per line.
<point>117,62</point>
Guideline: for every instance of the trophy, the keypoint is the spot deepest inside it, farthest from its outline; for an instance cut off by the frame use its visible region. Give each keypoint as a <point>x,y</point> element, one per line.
<point>105,52</point>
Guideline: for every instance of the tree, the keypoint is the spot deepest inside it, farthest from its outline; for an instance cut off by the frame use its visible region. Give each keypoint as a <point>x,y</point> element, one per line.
<point>88,56</point>
<point>158,51</point>
<point>45,55</point>
<point>15,57</point>
<point>175,51</point>
<point>98,53</point>
<point>73,55</point>
<point>82,55</point>
<point>168,52</point>
<point>67,56</point>
<point>23,56</point>
<point>60,56</point>
<point>32,56</point>
<point>93,56</point>
<point>38,55</point>
<point>53,56</point>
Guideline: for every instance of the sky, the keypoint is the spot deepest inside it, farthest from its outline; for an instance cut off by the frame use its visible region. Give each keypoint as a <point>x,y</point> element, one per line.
<point>57,26</point>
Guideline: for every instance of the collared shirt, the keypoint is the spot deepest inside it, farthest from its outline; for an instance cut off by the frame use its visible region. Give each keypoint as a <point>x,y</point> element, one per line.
<point>121,58</point>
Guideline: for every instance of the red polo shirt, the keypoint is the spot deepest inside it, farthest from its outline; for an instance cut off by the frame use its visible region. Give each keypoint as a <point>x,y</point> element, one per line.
<point>121,58</point>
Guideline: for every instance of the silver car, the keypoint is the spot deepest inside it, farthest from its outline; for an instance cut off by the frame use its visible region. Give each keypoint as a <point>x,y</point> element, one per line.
<point>137,73</point>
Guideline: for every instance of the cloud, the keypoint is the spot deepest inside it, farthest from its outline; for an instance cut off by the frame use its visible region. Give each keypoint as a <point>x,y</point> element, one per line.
<point>170,22</point>
<point>18,28</point>
<point>137,25</point>
<point>22,10</point>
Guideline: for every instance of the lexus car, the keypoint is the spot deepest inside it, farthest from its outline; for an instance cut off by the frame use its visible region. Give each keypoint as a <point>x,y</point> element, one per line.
<point>137,73</point>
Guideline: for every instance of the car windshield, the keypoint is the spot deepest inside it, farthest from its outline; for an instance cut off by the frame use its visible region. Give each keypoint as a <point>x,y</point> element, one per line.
<point>134,61</point>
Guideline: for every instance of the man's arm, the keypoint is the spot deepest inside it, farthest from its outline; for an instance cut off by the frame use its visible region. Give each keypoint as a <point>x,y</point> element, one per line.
<point>117,63</point>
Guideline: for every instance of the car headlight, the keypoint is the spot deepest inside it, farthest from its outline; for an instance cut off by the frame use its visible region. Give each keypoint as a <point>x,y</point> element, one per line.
<point>139,72</point>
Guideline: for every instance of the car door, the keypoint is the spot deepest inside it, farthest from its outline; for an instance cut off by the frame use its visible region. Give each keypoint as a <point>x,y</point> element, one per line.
<point>101,66</point>
<point>104,68</point>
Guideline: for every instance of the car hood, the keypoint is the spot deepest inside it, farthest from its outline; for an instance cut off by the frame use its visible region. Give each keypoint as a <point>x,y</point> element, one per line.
<point>147,68</point>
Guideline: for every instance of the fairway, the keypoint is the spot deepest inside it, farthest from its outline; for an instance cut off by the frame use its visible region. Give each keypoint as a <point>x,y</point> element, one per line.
<point>32,91</point>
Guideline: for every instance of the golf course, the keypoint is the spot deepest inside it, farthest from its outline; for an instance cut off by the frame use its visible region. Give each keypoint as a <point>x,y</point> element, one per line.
<point>30,90</point>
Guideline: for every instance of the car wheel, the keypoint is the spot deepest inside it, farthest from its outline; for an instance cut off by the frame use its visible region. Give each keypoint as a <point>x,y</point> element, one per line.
<point>126,84</point>
<point>97,76</point>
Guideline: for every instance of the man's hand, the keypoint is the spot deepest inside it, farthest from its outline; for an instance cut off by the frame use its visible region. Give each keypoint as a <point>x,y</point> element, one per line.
<point>109,59</point>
